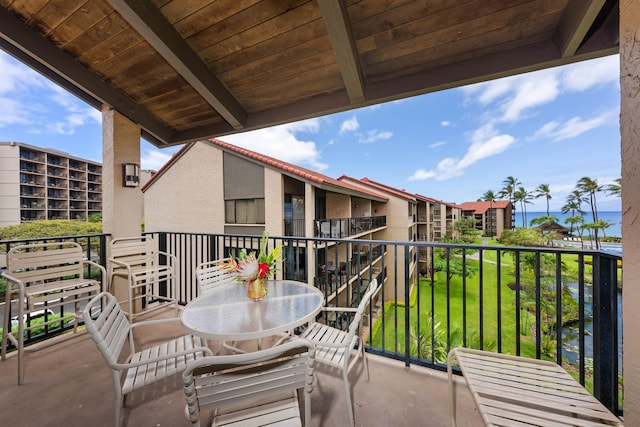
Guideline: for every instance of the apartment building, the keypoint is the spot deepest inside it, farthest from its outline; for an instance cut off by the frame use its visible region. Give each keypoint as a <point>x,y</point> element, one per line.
<point>232,190</point>
<point>39,184</point>
<point>491,217</point>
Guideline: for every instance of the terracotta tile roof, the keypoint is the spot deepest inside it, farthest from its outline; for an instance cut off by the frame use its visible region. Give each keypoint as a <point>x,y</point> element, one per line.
<point>481,207</point>
<point>442,202</point>
<point>304,173</point>
<point>382,187</point>
<point>321,180</point>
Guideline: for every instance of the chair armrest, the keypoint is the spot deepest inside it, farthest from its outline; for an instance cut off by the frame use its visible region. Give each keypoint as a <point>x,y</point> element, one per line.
<point>10,278</point>
<point>153,322</point>
<point>103,271</point>
<point>172,257</point>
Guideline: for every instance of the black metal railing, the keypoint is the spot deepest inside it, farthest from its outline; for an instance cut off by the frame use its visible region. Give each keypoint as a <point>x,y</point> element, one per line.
<point>559,304</point>
<point>339,228</point>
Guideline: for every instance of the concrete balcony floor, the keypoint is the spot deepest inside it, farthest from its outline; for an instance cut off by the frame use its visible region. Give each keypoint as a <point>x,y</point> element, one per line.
<point>68,383</point>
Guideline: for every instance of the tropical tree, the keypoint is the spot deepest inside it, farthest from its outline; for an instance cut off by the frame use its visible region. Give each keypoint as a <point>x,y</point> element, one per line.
<point>489,196</point>
<point>544,224</point>
<point>508,190</point>
<point>589,188</point>
<point>573,204</point>
<point>463,231</point>
<point>524,197</point>
<point>543,190</point>
<point>602,224</point>
<point>614,189</point>
<point>576,222</point>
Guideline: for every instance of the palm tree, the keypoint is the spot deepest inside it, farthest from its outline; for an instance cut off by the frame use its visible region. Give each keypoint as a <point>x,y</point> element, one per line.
<point>543,190</point>
<point>522,195</point>
<point>573,205</point>
<point>589,186</point>
<point>508,190</point>
<point>490,197</point>
<point>614,189</point>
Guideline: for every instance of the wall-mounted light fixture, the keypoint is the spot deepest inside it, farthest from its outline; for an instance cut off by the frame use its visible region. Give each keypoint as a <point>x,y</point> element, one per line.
<point>130,175</point>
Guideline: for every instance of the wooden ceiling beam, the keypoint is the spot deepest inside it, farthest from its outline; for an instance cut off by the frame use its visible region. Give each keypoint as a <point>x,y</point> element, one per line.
<point>147,20</point>
<point>576,21</point>
<point>31,48</point>
<point>336,21</point>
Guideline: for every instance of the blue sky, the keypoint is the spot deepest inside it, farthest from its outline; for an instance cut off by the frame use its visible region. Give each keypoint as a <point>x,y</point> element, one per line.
<point>548,127</point>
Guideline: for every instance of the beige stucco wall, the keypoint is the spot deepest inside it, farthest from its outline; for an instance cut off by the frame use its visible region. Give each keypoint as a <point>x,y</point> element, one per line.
<point>630,150</point>
<point>338,205</point>
<point>193,188</point>
<point>273,202</point>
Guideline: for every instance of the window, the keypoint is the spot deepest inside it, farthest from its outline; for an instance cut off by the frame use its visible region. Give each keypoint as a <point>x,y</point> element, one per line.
<point>244,211</point>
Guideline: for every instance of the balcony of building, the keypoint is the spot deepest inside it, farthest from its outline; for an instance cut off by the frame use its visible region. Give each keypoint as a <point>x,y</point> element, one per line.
<point>341,228</point>
<point>443,302</point>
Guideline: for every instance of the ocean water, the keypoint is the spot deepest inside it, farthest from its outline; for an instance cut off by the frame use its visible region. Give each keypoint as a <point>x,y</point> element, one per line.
<point>614,218</point>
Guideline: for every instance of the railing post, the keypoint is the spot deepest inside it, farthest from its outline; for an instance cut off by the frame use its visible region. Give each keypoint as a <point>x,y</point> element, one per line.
<point>407,307</point>
<point>605,332</point>
<point>162,246</point>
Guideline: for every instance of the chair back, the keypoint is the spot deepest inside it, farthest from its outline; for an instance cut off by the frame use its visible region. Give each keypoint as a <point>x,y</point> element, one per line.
<point>364,302</point>
<point>108,326</point>
<point>44,262</point>
<point>231,380</point>
<point>212,275</point>
<point>137,252</point>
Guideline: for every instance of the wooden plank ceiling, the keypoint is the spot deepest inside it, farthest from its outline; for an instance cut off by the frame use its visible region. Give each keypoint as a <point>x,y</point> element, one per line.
<point>192,69</point>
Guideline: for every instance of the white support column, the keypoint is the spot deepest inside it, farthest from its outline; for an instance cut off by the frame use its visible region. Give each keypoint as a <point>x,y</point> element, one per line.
<point>121,206</point>
<point>630,149</point>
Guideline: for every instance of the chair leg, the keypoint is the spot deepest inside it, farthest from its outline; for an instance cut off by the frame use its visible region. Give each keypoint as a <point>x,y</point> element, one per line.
<point>6,326</point>
<point>119,399</point>
<point>347,389</point>
<point>20,352</point>
<point>364,360</point>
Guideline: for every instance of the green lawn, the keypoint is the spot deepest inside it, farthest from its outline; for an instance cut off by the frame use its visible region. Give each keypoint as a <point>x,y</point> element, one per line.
<point>479,296</point>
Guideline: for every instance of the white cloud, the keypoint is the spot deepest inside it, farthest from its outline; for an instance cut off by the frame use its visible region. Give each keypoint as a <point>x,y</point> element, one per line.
<point>282,143</point>
<point>421,175</point>
<point>575,126</point>
<point>154,159</point>
<point>584,75</point>
<point>16,78</point>
<point>485,143</point>
<point>373,136</point>
<point>349,125</point>
<point>445,123</point>
<point>12,112</point>
<point>438,144</point>
<point>514,96</point>
<point>531,92</point>
<point>31,100</point>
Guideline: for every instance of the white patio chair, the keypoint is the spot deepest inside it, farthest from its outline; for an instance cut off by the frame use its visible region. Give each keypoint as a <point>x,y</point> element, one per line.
<point>40,278</point>
<point>109,328</point>
<point>252,389</point>
<point>334,347</point>
<point>137,259</point>
<point>212,276</point>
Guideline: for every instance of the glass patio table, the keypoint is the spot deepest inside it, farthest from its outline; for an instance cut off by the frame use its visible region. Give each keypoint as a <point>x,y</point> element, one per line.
<point>227,314</point>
